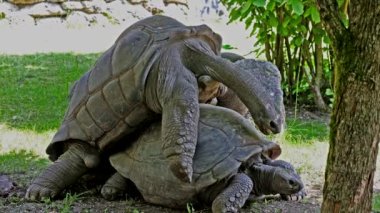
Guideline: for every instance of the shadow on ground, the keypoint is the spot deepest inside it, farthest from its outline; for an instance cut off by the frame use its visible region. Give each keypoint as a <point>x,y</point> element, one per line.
<point>18,169</point>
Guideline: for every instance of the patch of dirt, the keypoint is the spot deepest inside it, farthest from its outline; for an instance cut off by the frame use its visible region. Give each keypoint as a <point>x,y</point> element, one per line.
<point>90,200</point>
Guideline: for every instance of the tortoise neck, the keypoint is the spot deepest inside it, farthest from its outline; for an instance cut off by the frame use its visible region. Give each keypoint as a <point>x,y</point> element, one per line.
<point>263,177</point>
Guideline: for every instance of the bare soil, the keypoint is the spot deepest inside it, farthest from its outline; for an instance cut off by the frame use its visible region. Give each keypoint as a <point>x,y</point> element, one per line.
<point>91,201</point>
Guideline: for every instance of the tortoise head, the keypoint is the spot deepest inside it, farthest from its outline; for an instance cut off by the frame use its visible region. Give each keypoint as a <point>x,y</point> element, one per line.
<point>194,34</point>
<point>270,79</point>
<point>274,180</point>
<point>286,182</point>
<point>214,40</point>
<point>271,94</point>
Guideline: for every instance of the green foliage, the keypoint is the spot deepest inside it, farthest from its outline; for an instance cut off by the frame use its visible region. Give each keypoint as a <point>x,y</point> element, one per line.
<point>287,32</point>
<point>297,6</point>
<point>34,88</point>
<point>228,47</point>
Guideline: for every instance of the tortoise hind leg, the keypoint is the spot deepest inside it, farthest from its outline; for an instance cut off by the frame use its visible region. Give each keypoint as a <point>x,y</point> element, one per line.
<point>69,167</point>
<point>115,187</point>
<point>233,197</point>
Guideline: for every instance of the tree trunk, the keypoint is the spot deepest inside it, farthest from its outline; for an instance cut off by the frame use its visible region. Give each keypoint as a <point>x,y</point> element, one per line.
<point>355,122</point>
<point>279,47</point>
<point>290,70</point>
<point>316,87</point>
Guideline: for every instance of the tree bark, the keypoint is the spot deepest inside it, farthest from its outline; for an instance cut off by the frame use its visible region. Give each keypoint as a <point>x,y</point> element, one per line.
<point>355,122</point>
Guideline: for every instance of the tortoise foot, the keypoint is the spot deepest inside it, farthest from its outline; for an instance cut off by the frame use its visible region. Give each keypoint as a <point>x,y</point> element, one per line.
<point>234,196</point>
<point>111,193</point>
<point>115,187</point>
<point>38,192</point>
<point>65,171</point>
<point>296,196</point>
<point>182,168</point>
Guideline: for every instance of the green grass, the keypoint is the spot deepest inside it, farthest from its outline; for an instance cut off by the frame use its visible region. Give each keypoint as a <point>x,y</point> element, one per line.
<point>376,202</point>
<point>21,162</point>
<point>68,202</point>
<point>34,88</point>
<point>301,132</point>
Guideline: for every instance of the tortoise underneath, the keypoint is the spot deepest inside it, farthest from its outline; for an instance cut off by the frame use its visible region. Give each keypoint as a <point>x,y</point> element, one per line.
<point>228,166</point>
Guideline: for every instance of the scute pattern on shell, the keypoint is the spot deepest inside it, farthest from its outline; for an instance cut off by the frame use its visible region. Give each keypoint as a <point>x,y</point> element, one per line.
<point>225,141</point>
<point>102,99</point>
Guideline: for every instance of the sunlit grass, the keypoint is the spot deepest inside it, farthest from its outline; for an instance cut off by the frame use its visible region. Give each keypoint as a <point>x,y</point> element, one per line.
<point>21,162</point>
<point>376,203</point>
<point>34,88</point>
<point>301,132</point>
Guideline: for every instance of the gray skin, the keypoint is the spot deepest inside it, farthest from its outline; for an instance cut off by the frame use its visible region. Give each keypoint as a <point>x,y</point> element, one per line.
<point>150,70</point>
<point>228,166</point>
<point>284,175</point>
<point>266,73</point>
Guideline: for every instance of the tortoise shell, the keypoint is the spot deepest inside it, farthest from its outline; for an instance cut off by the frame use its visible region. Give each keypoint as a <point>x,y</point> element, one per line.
<point>226,140</point>
<point>102,99</point>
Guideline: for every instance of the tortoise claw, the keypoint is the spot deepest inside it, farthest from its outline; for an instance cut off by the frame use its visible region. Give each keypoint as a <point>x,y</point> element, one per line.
<point>37,192</point>
<point>111,193</point>
<point>115,187</point>
<point>181,166</point>
<point>294,197</point>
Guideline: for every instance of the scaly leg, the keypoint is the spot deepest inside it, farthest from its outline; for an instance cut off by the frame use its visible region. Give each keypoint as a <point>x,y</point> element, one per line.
<point>69,167</point>
<point>115,187</point>
<point>234,196</point>
<point>180,115</point>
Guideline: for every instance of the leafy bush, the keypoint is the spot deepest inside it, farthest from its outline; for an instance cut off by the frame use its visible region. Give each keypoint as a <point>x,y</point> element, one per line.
<point>291,36</point>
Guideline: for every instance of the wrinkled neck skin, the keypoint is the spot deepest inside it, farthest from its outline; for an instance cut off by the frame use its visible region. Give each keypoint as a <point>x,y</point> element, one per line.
<point>263,178</point>
<point>201,60</point>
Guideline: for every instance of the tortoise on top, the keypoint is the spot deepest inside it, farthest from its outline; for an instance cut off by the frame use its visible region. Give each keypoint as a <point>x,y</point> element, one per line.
<point>228,165</point>
<point>151,69</point>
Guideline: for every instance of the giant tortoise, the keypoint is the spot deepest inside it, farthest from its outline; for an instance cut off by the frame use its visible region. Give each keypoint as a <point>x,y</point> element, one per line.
<point>227,165</point>
<point>151,69</point>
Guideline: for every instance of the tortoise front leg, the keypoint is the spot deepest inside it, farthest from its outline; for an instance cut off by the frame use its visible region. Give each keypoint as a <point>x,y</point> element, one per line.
<point>180,115</point>
<point>115,187</point>
<point>296,196</point>
<point>234,196</point>
<point>67,169</point>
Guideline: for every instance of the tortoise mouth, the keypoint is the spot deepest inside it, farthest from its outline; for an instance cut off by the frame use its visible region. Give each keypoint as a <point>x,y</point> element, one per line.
<point>268,128</point>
